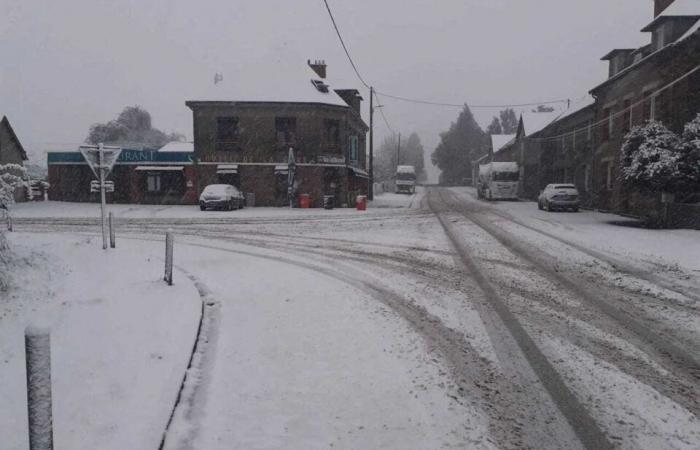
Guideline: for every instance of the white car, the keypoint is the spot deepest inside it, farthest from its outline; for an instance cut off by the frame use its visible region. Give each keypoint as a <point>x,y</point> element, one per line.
<point>559,197</point>
<point>222,196</point>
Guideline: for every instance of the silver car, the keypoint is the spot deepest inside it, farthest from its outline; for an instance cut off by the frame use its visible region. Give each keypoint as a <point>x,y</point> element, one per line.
<point>221,196</point>
<point>559,197</point>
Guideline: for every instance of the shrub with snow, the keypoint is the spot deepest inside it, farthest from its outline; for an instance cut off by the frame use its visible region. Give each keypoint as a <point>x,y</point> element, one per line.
<point>690,156</point>
<point>651,158</point>
<point>12,177</point>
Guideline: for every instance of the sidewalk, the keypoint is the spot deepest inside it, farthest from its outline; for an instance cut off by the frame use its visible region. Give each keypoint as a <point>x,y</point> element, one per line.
<point>121,339</point>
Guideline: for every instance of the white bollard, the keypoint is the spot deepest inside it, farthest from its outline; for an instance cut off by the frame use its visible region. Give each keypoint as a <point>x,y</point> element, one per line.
<point>37,345</point>
<point>112,237</point>
<point>169,258</point>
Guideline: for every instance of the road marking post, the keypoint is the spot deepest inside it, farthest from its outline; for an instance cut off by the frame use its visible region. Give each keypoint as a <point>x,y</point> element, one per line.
<point>37,345</point>
<point>169,242</point>
<point>112,237</point>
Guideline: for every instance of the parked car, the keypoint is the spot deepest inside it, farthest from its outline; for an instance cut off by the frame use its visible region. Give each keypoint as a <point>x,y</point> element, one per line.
<point>559,197</point>
<point>222,196</point>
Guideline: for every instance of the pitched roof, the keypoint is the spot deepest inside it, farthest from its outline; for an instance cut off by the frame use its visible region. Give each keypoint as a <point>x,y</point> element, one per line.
<point>5,121</point>
<point>177,146</point>
<point>536,121</point>
<point>498,141</point>
<point>679,8</point>
<point>577,105</point>
<point>277,82</point>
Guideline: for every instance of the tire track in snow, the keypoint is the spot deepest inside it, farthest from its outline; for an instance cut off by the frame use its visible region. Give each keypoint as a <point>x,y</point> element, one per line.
<point>576,414</point>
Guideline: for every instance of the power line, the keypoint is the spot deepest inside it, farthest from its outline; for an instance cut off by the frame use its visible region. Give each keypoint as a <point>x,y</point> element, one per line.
<point>461,105</point>
<point>420,101</point>
<point>337,31</point>
<point>381,111</point>
<point>605,121</point>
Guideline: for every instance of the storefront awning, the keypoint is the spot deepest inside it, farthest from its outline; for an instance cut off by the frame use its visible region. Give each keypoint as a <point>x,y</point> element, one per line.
<point>160,168</point>
<point>225,169</point>
<point>360,173</point>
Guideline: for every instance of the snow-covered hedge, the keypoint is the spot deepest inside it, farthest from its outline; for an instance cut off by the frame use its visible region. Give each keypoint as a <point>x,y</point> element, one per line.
<point>12,177</point>
<point>656,159</point>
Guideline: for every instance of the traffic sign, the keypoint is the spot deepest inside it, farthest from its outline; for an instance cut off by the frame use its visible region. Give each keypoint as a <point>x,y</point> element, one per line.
<point>106,161</point>
<point>95,186</point>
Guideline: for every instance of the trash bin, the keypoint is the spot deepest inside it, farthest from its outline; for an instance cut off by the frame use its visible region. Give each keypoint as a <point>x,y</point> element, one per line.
<point>303,200</point>
<point>361,202</point>
<point>328,201</point>
<point>250,198</point>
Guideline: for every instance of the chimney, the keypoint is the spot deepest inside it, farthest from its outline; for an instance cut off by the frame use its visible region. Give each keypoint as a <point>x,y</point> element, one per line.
<point>319,66</point>
<point>660,6</point>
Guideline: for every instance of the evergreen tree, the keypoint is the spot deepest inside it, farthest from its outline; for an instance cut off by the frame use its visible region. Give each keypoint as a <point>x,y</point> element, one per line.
<point>495,127</point>
<point>457,147</point>
<point>412,154</point>
<point>509,122</point>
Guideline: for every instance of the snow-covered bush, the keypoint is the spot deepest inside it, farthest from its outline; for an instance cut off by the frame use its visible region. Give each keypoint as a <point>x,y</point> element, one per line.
<point>689,164</point>
<point>12,177</point>
<point>651,157</point>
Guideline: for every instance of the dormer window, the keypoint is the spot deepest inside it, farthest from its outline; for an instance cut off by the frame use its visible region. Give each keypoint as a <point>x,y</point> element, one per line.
<point>320,86</point>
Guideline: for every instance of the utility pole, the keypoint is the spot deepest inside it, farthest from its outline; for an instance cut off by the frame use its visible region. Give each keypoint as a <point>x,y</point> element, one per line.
<point>370,188</point>
<point>398,152</point>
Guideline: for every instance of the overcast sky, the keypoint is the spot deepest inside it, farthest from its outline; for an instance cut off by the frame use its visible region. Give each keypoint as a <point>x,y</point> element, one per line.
<point>67,64</point>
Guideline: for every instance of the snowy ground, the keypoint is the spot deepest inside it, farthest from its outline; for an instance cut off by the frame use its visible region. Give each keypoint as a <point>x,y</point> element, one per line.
<point>407,326</point>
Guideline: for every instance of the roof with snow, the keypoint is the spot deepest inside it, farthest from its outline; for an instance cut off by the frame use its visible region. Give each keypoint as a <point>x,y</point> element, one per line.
<point>405,169</point>
<point>5,121</point>
<point>278,82</point>
<point>176,146</point>
<point>679,8</point>
<point>498,141</point>
<point>577,105</point>
<point>536,121</point>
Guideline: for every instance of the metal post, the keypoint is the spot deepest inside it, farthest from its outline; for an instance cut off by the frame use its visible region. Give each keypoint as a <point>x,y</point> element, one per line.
<point>398,153</point>
<point>103,198</point>
<point>37,345</point>
<point>112,237</point>
<point>370,190</point>
<point>169,258</point>
<point>9,221</point>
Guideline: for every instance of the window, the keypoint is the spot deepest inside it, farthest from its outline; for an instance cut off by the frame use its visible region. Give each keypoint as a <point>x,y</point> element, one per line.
<point>353,148</point>
<point>332,128</point>
<point>286,129</point>
<point>587,177</point>
<point>606,175</point>
<point>653,107</point>
<point>226,133</point>
<point>627,116</point>
<point>646,106</point>
<point>607,130</point>
<point>153,182</point>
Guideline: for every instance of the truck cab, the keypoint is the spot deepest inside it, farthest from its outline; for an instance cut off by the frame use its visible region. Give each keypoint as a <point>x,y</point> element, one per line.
<point>405,179</point>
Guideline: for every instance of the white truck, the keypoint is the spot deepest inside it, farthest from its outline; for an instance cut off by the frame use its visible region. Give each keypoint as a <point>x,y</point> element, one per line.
<point>498,181</point>
<point>405,179</point>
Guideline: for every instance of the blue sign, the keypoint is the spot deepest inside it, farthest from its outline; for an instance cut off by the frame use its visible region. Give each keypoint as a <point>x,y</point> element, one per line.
<point>126,157</point>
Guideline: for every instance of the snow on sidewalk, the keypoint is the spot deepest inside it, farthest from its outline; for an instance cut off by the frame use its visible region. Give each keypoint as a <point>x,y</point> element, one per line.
<point>667,249</point>
<point>121,340</point>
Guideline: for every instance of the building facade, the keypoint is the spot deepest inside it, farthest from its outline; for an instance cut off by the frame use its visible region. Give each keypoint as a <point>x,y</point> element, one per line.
<point>245,142</point>
<point>659,81</point>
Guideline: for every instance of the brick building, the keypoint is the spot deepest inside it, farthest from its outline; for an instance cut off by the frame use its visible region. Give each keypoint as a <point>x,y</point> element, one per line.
<point>243,138</point>
<point>11,151</point>
<point>658,81</point>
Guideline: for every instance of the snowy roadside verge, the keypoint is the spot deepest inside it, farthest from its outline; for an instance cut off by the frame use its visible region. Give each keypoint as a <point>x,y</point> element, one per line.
<point>121,339</point>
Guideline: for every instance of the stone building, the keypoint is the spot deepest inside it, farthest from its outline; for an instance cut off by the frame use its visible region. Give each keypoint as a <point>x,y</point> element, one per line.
<point>243,138</point>
<point>655,81</point>
<point>11,151</point>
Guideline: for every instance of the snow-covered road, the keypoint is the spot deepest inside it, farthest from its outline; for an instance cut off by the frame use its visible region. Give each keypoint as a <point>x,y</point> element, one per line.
<point>431,321</point>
